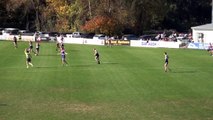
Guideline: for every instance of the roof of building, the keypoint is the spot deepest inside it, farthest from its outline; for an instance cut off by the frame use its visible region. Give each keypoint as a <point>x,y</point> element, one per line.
<point>203,27</point>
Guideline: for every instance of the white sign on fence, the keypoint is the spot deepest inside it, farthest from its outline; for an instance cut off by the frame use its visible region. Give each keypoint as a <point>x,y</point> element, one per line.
<point>154,44</point>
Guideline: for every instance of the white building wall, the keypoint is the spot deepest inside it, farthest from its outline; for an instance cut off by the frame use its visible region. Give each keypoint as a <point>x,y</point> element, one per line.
<point>207,36</point>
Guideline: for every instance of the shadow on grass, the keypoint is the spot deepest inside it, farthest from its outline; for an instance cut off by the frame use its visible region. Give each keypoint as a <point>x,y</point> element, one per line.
<point>3,105</point>
<point>88,65</point>
<point>184,71</point>
<point>76,65</point>
<point>40,67</point>
<point>65,66</point>
<point>48,55</point>
<point>109,63</point>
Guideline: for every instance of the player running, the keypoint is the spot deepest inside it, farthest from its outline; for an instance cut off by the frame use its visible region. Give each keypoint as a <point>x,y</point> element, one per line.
<point>57,46</point>
<point>63,57</point>
<point>37,48</point>
<point>97,56</point>
<point>31,47</point>
<point>28,58</point>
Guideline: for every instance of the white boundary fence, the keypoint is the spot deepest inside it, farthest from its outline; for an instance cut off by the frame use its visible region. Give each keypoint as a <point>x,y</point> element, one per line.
<point>10,37</point>
<point>133,43</point>
<point>84,41</point>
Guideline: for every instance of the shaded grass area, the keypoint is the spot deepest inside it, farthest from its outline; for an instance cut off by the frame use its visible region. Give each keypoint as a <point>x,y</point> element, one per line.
<point>129,84</point>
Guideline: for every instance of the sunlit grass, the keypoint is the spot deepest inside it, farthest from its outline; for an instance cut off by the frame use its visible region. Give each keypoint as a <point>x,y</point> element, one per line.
<point>129,84</point>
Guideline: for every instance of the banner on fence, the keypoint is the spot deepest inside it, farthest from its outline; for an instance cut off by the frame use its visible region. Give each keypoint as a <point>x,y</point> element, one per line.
<point>198,45</point>
<point>154,44</point>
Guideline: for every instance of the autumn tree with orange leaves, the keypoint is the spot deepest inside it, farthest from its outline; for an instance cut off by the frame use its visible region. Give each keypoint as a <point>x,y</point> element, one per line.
<point>101,24</point>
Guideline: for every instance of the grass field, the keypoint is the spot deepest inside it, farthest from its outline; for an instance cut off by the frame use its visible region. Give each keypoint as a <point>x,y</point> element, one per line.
<point>129,84</point>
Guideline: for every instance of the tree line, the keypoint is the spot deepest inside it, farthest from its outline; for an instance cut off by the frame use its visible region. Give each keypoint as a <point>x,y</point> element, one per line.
<point>112,17</point>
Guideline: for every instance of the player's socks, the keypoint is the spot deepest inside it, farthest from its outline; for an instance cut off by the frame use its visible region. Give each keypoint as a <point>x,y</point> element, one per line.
<point>31,64</point>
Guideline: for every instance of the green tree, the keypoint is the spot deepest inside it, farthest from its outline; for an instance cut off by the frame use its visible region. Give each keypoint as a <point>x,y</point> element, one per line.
<point>26,12</point>
<point>182,14</point>
<point>3,13</point>
<point>128,16</point>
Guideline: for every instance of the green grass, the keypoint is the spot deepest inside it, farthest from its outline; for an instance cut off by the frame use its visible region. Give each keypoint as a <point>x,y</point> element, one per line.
<point>129,84</point>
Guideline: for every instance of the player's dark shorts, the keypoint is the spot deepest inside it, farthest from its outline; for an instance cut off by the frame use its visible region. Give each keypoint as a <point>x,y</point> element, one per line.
<point>37,49</point>
<point>97,55</point>
<point>31,47</point>
<point>166,61</point>
<point>210,49</point>
<point>28,59</point>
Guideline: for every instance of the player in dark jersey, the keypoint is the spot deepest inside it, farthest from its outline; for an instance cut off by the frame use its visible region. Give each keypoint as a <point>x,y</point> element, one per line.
<point>166,58</point>
<point>31,47</point>
<point>97,56</point>
<point>57,46</point>
<point>15,42</point>
<point>37,48</point>
<point>28,58</point>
